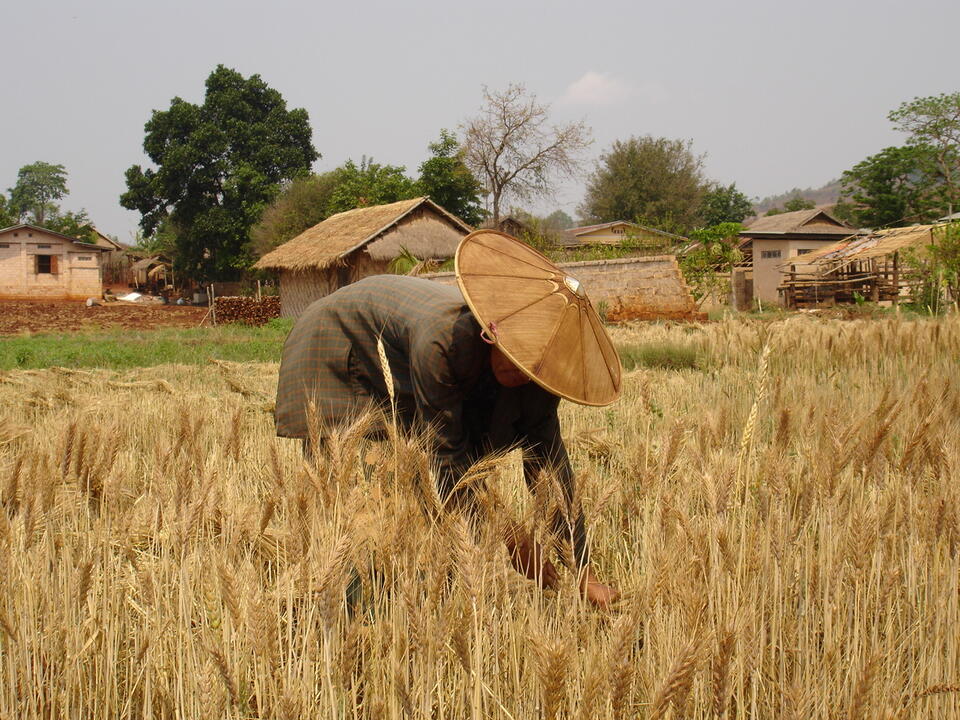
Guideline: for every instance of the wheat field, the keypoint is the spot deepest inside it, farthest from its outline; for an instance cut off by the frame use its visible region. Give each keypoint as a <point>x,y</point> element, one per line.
<point>782,520</point>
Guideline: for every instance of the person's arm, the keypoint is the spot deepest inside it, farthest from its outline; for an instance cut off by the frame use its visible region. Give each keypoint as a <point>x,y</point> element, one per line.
<point>543,448</point>
<point>439,396</point>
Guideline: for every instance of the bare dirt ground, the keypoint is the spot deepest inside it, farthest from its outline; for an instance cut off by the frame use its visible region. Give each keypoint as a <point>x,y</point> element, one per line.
<point>49,317</point>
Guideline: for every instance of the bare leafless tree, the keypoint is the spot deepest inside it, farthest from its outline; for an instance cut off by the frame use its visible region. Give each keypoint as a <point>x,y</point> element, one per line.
<point>515,151</point>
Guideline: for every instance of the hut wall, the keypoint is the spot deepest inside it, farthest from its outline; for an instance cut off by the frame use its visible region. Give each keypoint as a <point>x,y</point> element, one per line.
<point>643,288</point>
<point>361,265</point>
<point>299,289</point>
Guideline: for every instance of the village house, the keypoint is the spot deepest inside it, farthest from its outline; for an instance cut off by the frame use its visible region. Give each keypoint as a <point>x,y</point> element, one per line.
<point>772,240</point>
<point>512,226</point>
<point>621,232</point>
<point>39,264</point>
<point>357,243</point>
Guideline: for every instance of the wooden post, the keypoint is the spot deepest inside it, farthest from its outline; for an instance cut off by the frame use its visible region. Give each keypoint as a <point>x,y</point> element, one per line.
<point>258,291</point>
<point>896,279</point>
<point>213,305</point>
<point>875,284</point>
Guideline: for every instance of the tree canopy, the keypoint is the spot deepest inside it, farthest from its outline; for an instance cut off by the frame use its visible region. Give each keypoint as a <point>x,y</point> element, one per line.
<point>218,165</point>
<point>39,186</point>
<point>306,201</point>
<point>655,181</point>
<point>725,204</point>
<point>933,124</point>
<point>367,184</point>
<point>7,216</point>
<point>890,188</point>
<point>449,182</point>
<point>73,224</point>
<point>301,204</point>
<point>916,182</point>
<point>515,151</point>
<point>797,202</point>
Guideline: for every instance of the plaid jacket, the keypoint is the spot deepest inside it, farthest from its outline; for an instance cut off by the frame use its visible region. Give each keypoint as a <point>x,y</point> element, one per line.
<point>441,374</point>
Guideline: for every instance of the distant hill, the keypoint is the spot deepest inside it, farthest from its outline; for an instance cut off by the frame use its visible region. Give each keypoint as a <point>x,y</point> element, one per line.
<point>829,194</point>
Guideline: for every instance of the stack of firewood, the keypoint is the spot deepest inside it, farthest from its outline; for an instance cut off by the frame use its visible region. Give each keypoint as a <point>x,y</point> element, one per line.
<point>247,310</point>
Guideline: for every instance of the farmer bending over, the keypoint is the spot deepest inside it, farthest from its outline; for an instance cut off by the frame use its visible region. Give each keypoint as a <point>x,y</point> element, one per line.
<point>462,360</point>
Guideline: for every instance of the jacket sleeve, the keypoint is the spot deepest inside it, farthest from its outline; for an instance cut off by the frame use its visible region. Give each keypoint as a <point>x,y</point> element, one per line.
<point>543,448</point>
<point>540,437</point>
<point>439,397</point>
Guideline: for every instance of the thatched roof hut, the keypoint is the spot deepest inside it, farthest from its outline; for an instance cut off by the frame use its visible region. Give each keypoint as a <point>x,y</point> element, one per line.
<point>357,243</point>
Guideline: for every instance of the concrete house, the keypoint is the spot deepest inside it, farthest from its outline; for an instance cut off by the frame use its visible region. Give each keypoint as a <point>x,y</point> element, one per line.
<point>39,264</point>
<point>775,239</point>
<point>357,243</point>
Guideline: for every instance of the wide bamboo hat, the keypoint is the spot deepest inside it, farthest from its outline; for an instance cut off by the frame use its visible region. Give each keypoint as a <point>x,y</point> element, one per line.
<point>538,316</point>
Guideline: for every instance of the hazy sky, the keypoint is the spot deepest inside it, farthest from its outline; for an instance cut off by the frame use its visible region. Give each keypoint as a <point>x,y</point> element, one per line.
<point>777,94</point>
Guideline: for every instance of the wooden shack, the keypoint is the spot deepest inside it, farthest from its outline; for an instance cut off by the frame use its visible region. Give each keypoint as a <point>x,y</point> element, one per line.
<point>865,267</point>
<point>357,243</point>
<point>39,264</point>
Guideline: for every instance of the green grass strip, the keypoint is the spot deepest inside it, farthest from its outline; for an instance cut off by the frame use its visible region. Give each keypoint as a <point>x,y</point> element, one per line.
<point>120,349</point>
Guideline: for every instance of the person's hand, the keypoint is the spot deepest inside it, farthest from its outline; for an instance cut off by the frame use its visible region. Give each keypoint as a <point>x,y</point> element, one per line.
<point>527,558</point>
<point>597,593</point>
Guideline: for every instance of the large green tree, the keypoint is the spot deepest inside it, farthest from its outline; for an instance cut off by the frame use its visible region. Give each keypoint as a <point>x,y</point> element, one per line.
<point>893,187</point>
<point>657,181</point>
<point>218,165</point>
<point>39,186</point>
<point>449,182</point>
<point>725,204</point>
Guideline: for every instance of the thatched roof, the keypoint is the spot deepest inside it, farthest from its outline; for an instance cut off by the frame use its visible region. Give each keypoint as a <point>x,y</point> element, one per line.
<point>149,262</point>
<point>339,235</point>
<point>798,222</point>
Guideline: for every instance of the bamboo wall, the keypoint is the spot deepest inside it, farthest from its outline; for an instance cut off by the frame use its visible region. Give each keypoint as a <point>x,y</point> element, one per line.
<point>299,289</point>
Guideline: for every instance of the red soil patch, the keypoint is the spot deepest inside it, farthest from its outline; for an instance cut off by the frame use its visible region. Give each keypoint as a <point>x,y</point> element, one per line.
<point>52,317</point>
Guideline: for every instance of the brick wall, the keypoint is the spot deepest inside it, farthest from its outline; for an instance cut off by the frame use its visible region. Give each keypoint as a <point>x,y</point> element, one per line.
<point>643,288</point>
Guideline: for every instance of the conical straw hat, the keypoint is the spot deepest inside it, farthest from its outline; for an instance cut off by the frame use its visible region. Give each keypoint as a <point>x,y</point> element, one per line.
<point>539,317</point>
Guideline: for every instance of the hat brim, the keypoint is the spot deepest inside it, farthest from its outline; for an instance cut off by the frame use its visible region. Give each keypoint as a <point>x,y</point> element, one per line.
<point>539,317</point>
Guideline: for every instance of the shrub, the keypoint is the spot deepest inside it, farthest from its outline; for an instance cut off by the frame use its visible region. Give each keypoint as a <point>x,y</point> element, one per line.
<point>664,356</point>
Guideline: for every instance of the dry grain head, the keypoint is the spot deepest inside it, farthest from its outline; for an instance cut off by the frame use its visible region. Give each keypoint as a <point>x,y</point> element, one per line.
<point>539,317</point>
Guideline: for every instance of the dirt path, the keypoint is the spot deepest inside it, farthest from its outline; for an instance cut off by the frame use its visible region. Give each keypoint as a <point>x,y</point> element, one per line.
<point>50,317</point>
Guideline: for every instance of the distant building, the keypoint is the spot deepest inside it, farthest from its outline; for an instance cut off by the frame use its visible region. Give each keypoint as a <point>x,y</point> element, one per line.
<point>618,233</point>
<point>771,240</point>
<point>357,243</point>
<point>513,226</point>
<point>39,264</point>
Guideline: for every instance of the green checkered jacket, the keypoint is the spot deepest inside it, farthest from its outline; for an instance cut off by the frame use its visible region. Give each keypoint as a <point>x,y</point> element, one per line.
<point>441,375</point>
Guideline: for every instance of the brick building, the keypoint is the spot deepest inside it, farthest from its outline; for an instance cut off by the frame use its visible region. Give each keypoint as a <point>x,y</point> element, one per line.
<point>39,264</point>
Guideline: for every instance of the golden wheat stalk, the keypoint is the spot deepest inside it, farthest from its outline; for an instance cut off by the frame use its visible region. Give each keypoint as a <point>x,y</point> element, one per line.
<point>746,440</point>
